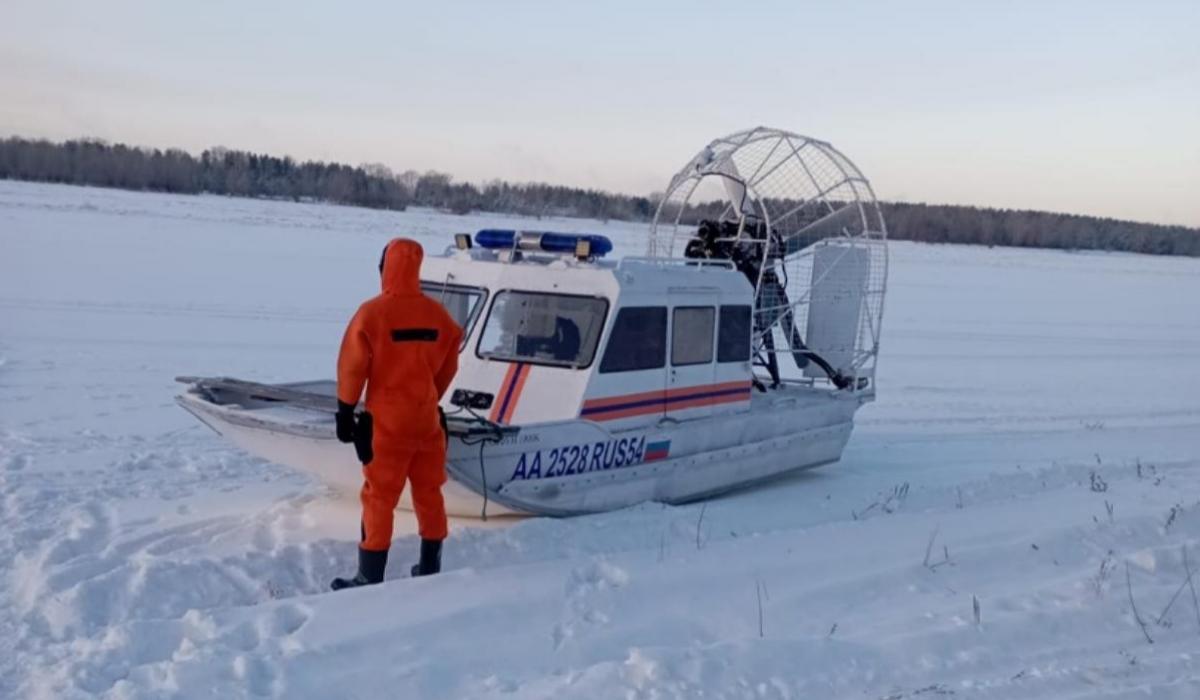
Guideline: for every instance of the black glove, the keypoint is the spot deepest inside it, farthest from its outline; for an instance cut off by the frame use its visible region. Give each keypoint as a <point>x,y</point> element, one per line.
<point>345,422</point>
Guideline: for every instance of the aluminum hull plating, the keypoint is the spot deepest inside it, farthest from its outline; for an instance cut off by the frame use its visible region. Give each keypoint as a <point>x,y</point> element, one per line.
<point>575,466</point>
<point>788,430</point>
<point>305,441</point>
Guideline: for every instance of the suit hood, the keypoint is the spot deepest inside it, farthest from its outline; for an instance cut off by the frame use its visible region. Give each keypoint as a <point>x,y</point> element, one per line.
<point>401,267</point>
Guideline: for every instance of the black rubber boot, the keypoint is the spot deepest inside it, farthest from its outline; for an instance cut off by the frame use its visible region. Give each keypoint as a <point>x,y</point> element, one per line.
<point>370,570</point>
<point>431,558</point>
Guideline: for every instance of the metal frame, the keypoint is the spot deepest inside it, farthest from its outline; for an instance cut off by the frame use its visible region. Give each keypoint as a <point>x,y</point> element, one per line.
<point>789,175</point>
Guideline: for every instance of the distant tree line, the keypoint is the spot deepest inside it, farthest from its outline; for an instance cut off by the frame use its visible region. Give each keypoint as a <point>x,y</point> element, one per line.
<point>939,223</point>
<point>215,171</point>
<point>244,174</point>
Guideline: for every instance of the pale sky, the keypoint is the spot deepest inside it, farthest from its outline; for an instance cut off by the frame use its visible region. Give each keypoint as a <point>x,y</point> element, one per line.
<point>1078,106</point>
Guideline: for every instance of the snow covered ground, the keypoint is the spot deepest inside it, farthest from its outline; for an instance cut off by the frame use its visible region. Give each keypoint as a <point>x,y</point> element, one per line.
<point>1032,461</point>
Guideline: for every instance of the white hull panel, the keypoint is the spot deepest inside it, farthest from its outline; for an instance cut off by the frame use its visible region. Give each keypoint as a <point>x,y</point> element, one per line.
<point>305,447</point>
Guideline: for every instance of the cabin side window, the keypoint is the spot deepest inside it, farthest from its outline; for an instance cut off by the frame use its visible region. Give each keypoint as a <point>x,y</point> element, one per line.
<point>692,335</point>
<point>540,328</point>
<point>733,338</point>
<point>638,340</point>
<point>462,303</point>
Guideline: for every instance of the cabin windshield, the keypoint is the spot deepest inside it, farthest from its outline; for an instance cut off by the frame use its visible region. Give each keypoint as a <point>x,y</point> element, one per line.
<point>541,328</point>
<point>462,303</point>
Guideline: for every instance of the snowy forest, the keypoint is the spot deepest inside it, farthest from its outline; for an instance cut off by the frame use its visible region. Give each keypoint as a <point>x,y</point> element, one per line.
<point>240,173</point>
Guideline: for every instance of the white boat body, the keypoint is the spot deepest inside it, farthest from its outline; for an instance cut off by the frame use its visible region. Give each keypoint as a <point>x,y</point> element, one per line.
<point>303,438</point>
<point>739,351</point>
<point>575,439</point>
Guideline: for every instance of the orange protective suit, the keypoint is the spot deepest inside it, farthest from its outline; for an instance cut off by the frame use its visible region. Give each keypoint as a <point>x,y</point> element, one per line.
<point>404,347</point>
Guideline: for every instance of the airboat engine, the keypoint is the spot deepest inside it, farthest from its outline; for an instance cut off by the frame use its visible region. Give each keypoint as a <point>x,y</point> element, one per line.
<point>801,222</point>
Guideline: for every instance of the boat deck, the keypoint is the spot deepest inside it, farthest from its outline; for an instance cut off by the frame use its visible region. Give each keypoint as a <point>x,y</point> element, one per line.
<point>312,402</point>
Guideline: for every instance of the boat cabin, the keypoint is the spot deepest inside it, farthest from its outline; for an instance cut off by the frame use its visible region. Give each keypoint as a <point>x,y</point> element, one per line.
<point>554,332</point>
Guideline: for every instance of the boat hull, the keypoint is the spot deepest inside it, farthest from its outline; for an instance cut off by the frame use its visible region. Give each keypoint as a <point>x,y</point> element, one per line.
<point>314,449</point>
<point>575,466</point>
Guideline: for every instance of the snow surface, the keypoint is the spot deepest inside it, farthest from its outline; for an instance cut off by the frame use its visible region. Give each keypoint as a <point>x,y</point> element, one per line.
<point>1036,441</point>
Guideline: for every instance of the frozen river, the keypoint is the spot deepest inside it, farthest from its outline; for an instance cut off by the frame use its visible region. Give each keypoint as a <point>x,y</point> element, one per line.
<point>1037,431</point>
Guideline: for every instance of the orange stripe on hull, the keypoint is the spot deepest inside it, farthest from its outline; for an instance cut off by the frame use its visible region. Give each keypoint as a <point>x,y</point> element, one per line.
<point>617,407</point>
<point>661,394</point>
<point>522,377</point>
<point>625,398</point>
<point>498,402</point>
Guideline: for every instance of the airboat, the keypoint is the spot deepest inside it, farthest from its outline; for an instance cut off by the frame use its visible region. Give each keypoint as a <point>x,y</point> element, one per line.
<point>735,350</point>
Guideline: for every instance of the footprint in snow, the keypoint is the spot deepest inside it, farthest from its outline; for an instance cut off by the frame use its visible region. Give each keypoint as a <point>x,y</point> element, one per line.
<point>284,620</point>
<point>594,576</point>
<point>86,532</point>
<point>583,584</point>
<point>260,676</point>
<point>18,462</point>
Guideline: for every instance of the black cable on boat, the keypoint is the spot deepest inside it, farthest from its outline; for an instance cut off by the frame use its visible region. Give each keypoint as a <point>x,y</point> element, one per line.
<point>495,434</point>
<point>483,482</point>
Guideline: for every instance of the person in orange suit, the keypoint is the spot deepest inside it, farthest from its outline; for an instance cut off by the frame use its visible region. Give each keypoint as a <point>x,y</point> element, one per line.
<point>403,346</point>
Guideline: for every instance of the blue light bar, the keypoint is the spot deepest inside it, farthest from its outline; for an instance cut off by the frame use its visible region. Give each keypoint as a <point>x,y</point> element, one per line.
<point>545,241</point>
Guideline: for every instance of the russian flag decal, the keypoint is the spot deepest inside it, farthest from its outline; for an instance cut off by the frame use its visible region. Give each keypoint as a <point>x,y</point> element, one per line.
<point>658,450</point>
